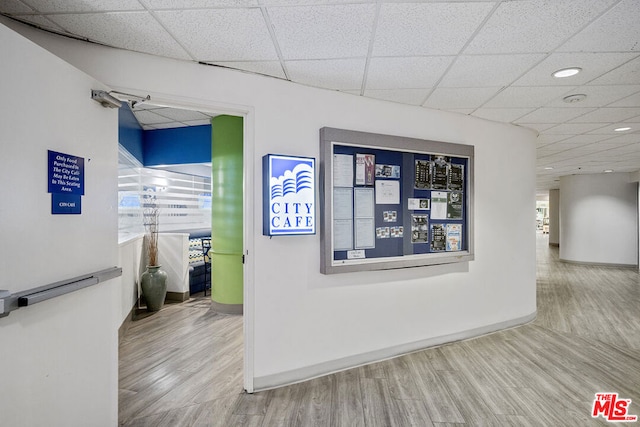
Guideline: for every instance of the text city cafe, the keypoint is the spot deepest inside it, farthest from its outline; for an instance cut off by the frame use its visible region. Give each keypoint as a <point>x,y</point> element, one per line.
<point>291,215</point>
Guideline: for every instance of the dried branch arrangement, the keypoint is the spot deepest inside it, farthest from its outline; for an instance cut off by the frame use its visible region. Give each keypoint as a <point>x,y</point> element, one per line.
<point>150,216</point>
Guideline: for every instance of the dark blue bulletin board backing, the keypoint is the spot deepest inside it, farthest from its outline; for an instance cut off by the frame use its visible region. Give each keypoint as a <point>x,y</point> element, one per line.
<point>401,246</point>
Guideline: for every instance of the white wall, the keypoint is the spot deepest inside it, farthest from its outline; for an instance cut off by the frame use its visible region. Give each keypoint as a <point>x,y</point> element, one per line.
<point>554,217</point>
<point>599,217</point>
<point>302,320</point>
<point>59,357</point>
<point>173,255</point>
<point>130,259</point>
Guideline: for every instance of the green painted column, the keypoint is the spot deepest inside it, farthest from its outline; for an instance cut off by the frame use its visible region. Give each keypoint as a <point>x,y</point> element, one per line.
<point>226,214</point>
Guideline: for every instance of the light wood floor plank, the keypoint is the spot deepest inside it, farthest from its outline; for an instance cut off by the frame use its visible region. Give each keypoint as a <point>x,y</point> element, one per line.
<point>183,367</point>
<point>347,407</point>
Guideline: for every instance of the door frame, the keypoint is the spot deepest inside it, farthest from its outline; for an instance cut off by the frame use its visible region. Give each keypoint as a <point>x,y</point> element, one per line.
<point>248,207</point>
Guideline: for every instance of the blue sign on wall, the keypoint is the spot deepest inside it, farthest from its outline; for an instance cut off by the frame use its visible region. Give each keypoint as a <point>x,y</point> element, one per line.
<point>69,204</point>
<point>66,182</point>
<point>289,190</point>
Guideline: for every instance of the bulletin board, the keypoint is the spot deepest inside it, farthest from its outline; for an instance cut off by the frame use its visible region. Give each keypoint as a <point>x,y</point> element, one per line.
<point>393,202</point>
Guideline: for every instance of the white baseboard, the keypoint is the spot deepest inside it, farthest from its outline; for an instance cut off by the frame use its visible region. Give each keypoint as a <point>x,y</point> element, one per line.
<point>309,372</point>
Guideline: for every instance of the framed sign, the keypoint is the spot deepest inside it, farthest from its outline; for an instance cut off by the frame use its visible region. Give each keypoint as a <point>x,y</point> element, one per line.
<point>65,183</point>
<point>374,187</point>
<point>289,194</point>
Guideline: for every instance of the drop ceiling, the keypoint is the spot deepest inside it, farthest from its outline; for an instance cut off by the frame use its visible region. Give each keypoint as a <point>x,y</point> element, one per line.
<point>151,116</point>
<point>489,59</point>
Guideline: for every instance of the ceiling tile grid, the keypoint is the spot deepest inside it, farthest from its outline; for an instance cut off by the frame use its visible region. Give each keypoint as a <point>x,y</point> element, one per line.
<point>534,26</point>
<point>221,34</point>
<point>492,59</point>
<point>404,96</point>
<point>267,68</point>
<point>137,31</point>
<point>416,29</point>
<point>489,70</point>
<point>615,31</point>
<point>323,32</point>
<point>406,73</point>
<point>341,74</point>
<point>467,97</point>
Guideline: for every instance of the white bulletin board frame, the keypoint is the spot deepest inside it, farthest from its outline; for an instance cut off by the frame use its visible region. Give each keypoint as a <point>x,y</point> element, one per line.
<point>331,137</point>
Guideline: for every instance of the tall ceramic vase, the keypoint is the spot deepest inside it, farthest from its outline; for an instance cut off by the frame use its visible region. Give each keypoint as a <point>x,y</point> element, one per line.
<point>154,287</point>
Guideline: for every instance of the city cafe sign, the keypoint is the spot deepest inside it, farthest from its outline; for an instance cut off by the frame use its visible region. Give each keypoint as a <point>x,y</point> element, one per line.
<point>289,188</point>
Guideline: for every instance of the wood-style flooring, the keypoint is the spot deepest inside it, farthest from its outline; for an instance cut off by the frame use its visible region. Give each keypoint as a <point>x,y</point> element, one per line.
<point>183,367</point>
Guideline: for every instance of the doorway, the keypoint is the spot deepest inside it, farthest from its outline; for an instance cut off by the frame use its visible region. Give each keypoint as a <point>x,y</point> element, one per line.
<point>179,107</point>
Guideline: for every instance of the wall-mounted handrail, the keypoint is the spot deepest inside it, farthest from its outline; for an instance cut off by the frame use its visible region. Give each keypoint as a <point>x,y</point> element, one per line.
<point>10,302</point>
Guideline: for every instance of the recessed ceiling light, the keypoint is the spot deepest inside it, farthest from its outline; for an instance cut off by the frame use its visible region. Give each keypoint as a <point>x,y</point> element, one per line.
<point>567,72</point>
<point>574,98</point>
<point>622,129</point>
<point>548,168</point>
<point>607,170</point>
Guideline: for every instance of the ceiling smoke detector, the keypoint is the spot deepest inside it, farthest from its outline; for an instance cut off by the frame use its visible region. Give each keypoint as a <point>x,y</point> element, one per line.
<point>571,99</point>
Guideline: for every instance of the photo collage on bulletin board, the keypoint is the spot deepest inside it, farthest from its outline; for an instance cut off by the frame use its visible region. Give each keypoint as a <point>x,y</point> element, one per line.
<point>388,203</point>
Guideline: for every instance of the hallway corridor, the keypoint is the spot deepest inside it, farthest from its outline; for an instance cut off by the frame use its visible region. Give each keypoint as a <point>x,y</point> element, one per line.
<point>183,367</point>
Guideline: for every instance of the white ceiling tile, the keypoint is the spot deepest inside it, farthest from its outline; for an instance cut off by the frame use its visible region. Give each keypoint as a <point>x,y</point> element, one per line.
<point>560,146</point>
<point>534,26</point>
<point>488,70</point>
<point>168,125</point>
<point>148,117</point>
<point>310,2</point>
<point>180,115</point>
<point>14,6</point>
<point>607,115</point>
<point>213,35</point>
<point>202,122</point>
<point>41,21</point>
<point>572,128</point>
<point>137,31</point>
<point>318,32</point>
<point>630,101</point>
<point>583,139</point>
<point>628,73</point>
<point>553,115</point>
<point>268,68</point>
<point>196,4</point>
<point>597,96</point>
<point>341,74</point>
<point>405,96</point>
<point>593,65</point>
<point>466,111</point>
<point>615,31</point>
<point>426,28</point>
<point>73,6</point>
<point>406,73</point>
<point>541,153</point>
<point>609,129</point>
<point>525,96</point>
<point>506,115</point>
<point>472,97</point>
<point>146,106</point>
<point>540,127</point>
<point>546,139</point>
<point>632,138</point>
<point>623,151</point>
